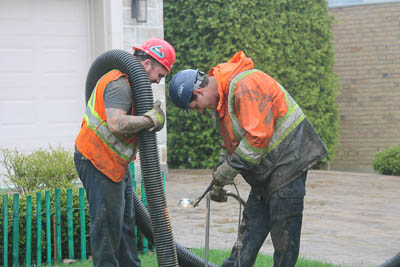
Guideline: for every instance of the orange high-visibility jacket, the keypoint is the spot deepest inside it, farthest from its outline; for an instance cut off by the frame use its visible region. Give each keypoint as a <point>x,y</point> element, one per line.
<point>266,133</point>
<point>109,153</point>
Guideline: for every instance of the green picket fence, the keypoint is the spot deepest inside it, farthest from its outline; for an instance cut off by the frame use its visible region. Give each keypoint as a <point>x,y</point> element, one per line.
<point>52,245</point>
<point>41,247</point>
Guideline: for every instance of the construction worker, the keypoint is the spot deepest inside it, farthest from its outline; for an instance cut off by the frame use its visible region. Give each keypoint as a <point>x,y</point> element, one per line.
<point>268,140</point>
<point>106,144</point>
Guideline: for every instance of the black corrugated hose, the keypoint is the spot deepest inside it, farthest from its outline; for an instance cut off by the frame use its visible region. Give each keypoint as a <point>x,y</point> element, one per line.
<point>185,257</point>
<point>393,262</point>
<point>150,166</point>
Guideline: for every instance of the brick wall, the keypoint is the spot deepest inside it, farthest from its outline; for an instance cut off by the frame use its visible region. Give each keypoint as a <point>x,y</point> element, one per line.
<point>367,49</point>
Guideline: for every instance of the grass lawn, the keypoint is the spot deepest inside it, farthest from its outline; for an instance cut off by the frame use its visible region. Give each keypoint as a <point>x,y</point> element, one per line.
<point>217,257</point>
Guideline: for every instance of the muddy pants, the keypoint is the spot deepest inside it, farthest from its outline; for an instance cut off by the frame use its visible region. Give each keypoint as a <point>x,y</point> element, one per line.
<point>112,216</point>
<point>282,216</point>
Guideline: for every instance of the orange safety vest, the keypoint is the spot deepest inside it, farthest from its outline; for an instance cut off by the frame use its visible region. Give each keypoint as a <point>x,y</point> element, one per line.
<point>263,128</point>
<point>255,112</point>
<point>109,153</point>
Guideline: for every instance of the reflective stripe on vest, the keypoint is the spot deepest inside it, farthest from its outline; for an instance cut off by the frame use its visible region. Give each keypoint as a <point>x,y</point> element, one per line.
<point>282,128</point>
<point>99,127</point>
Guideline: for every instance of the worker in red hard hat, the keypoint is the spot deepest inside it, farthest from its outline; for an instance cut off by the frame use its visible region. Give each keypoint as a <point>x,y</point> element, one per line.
<point>104,148</point>
<point>158,49</point>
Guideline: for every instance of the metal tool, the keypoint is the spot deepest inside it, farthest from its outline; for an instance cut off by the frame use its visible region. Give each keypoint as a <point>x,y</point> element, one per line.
<point>187,202</point>
<point>209,187</point>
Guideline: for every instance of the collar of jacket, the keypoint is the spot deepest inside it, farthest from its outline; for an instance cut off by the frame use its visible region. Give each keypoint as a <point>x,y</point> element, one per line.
<point>225,72</point>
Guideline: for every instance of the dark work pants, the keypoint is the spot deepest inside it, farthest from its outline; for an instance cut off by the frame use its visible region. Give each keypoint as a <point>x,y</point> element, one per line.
<point>112,216</point>
<point>281,216</point>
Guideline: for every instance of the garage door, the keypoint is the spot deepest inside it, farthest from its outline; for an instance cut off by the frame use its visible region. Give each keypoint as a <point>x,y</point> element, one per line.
<point>44,58</point>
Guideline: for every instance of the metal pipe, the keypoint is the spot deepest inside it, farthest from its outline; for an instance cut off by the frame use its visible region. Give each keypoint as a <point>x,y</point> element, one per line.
<point>207,239</point>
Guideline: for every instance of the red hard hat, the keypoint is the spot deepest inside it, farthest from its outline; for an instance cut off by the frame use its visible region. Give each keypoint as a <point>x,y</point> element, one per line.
<point>160,50</point>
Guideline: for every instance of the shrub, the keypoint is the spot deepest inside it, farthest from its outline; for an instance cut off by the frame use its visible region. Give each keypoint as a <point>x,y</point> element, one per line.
<point>388,161</point>
<point>52,168</point>
<point>290,40</point>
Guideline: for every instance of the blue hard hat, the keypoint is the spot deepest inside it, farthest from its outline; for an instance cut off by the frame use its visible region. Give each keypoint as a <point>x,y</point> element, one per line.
<point>182,85</point>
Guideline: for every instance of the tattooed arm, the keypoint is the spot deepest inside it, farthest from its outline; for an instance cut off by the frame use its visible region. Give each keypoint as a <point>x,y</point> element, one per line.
<point>121,123</point>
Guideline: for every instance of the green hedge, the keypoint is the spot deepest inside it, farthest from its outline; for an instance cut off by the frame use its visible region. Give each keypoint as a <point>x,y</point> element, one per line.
<point>388,161</point>
<point>291,40</point>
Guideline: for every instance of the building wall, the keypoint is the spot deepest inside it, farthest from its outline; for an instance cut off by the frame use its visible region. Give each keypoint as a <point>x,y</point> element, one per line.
<point>367,48</point>
<point>47,70</point>
<point>45,52</point>
<point>134,34</point>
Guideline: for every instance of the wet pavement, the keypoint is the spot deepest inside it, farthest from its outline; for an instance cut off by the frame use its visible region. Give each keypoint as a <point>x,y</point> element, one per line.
<point>351,219</point>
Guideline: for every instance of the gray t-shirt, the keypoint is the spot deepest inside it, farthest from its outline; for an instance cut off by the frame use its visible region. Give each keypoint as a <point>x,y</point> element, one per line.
<point>118,94</point>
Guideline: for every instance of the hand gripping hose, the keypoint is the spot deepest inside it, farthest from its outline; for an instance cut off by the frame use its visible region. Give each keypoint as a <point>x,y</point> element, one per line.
<point>150,166</point>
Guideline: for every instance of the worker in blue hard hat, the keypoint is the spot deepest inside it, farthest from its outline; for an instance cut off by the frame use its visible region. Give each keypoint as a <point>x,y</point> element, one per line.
<point>266,139</point>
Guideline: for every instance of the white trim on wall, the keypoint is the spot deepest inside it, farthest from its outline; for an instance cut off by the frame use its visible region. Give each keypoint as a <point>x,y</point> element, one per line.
<point>97,27</point>
<point>115,24</point>
<point>106,25</point>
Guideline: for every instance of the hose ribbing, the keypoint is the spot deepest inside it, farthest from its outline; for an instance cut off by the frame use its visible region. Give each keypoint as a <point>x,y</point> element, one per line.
<point>393,262</point>
<point>185,257</point>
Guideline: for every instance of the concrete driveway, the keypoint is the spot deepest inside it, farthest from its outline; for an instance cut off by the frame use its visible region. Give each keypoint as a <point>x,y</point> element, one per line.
<point>351,219</point>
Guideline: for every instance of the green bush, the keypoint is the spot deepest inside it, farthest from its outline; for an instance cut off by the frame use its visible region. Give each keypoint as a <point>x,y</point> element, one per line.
<point>64,230</point>
<point>52,168</point>
<point>291,40</point>
<point>388,161</point>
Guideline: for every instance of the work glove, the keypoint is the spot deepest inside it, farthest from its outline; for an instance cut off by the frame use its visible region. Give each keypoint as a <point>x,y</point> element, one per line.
<point>157,116</point>
<point>224,174</point>
<point>218,194</point>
